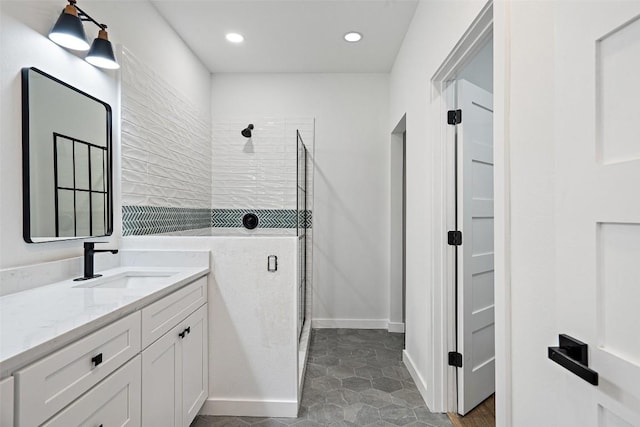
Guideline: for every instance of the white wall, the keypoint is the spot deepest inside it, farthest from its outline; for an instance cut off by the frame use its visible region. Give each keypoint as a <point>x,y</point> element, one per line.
<point>142,30</point>
<point>351,182</point>
<point>253,340</point>
<point>525,130</point>
<point>23,43</point>
<point>525,35</point>
<point>435,29</point>
<point>530,136</point>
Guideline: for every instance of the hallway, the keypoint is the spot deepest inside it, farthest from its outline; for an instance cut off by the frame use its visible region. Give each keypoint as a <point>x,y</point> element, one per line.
<point>355,377</point>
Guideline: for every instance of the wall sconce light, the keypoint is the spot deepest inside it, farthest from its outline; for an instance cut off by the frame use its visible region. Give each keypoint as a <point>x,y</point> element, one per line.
<point>68,32</point>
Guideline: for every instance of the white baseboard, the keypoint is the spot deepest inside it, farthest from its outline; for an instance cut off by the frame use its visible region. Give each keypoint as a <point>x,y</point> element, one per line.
<point>357,324</point>
<point>395,327</point>
<point>420,383</point>
<point>350,323</point>
<point>251,408</point>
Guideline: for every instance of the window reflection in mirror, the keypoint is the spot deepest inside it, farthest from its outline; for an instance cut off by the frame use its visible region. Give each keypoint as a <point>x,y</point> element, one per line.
<point>66,161</point>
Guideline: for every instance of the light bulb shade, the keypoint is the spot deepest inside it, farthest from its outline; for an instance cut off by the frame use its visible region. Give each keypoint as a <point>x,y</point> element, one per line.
<point>68,30</point>
<point>101,53</point>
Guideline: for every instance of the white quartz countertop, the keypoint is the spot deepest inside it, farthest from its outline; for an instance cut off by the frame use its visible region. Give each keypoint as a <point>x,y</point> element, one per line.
<point>38,321</point>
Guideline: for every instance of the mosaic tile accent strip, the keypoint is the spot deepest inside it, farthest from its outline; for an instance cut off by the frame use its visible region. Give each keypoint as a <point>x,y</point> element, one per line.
<point>268,218</point>
<point>305,218</point>
<point>144,220</point>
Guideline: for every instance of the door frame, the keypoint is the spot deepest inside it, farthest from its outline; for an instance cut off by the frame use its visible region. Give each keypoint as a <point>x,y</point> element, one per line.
<point>491,20</point>
<point>397,247</point>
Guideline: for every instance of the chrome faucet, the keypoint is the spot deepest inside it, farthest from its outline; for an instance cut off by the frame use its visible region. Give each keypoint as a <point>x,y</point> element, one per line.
<point>89,251</point>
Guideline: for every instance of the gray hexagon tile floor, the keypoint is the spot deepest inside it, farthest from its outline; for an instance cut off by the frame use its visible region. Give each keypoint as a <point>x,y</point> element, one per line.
<point>355,377</point>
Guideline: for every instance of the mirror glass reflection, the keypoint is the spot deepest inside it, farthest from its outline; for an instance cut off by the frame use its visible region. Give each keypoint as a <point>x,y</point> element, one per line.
<point>66,161</point>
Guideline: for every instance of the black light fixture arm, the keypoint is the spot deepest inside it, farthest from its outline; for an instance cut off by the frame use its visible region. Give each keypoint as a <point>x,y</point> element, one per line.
<point>84,16</point>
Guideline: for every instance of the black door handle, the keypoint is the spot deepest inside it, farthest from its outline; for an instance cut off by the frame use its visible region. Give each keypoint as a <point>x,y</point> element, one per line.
<point>573,355</point>
<point>97,359</point>
<point>184,333</point>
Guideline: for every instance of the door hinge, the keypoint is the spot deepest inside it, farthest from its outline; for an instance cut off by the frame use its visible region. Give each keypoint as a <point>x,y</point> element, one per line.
<point>454,117</point>
<point>455,359</point>
<point>454,238</point>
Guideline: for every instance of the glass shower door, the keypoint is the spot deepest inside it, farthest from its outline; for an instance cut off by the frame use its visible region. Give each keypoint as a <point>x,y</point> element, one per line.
<point>301,183</point>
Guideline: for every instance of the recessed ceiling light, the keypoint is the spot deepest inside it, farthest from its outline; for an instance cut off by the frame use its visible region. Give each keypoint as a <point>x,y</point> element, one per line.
<point>353,37</point>
<point>235,37</point>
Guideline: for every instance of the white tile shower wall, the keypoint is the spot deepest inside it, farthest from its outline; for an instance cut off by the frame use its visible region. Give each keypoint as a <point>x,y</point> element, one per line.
<point>166,150</point>
<point>258,172</point>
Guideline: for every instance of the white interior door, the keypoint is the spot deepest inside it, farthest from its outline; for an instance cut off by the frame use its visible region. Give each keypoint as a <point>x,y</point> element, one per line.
<point>597,213</point>
<point>476,329</point>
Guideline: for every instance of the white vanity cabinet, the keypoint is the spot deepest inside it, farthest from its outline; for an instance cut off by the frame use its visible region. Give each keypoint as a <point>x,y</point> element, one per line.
<point>6,402</point>
<point>148,368</point>
<point>175,367</point>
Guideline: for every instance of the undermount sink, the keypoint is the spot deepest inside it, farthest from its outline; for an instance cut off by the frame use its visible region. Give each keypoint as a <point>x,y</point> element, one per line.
<point>128,280</point>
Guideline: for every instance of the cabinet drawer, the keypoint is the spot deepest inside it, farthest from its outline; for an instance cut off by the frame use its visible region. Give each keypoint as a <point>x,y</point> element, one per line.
<point>162,316</point>
<point>113,402</point>
<point>47,386</point>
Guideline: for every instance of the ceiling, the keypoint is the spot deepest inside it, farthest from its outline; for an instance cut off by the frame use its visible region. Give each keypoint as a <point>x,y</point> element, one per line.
<point>298,36</point>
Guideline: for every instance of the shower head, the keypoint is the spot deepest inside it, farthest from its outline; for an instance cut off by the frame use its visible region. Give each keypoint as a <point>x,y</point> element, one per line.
<point>246,132</point>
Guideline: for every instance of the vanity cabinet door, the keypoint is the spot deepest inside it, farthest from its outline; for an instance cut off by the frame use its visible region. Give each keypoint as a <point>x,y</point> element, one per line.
<point>113,402</point>
<point>175,377</point>
<point>6,402</point>
<point>195,367</point>
<point>162,382</point>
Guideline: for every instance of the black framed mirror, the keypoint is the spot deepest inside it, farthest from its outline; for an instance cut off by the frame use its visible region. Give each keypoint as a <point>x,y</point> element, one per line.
<point>67,167</point>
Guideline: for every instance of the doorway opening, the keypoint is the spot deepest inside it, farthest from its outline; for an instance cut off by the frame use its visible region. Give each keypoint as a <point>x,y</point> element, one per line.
<point>474,273</point>
<point>398,187</point>
<point>465,340</point>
